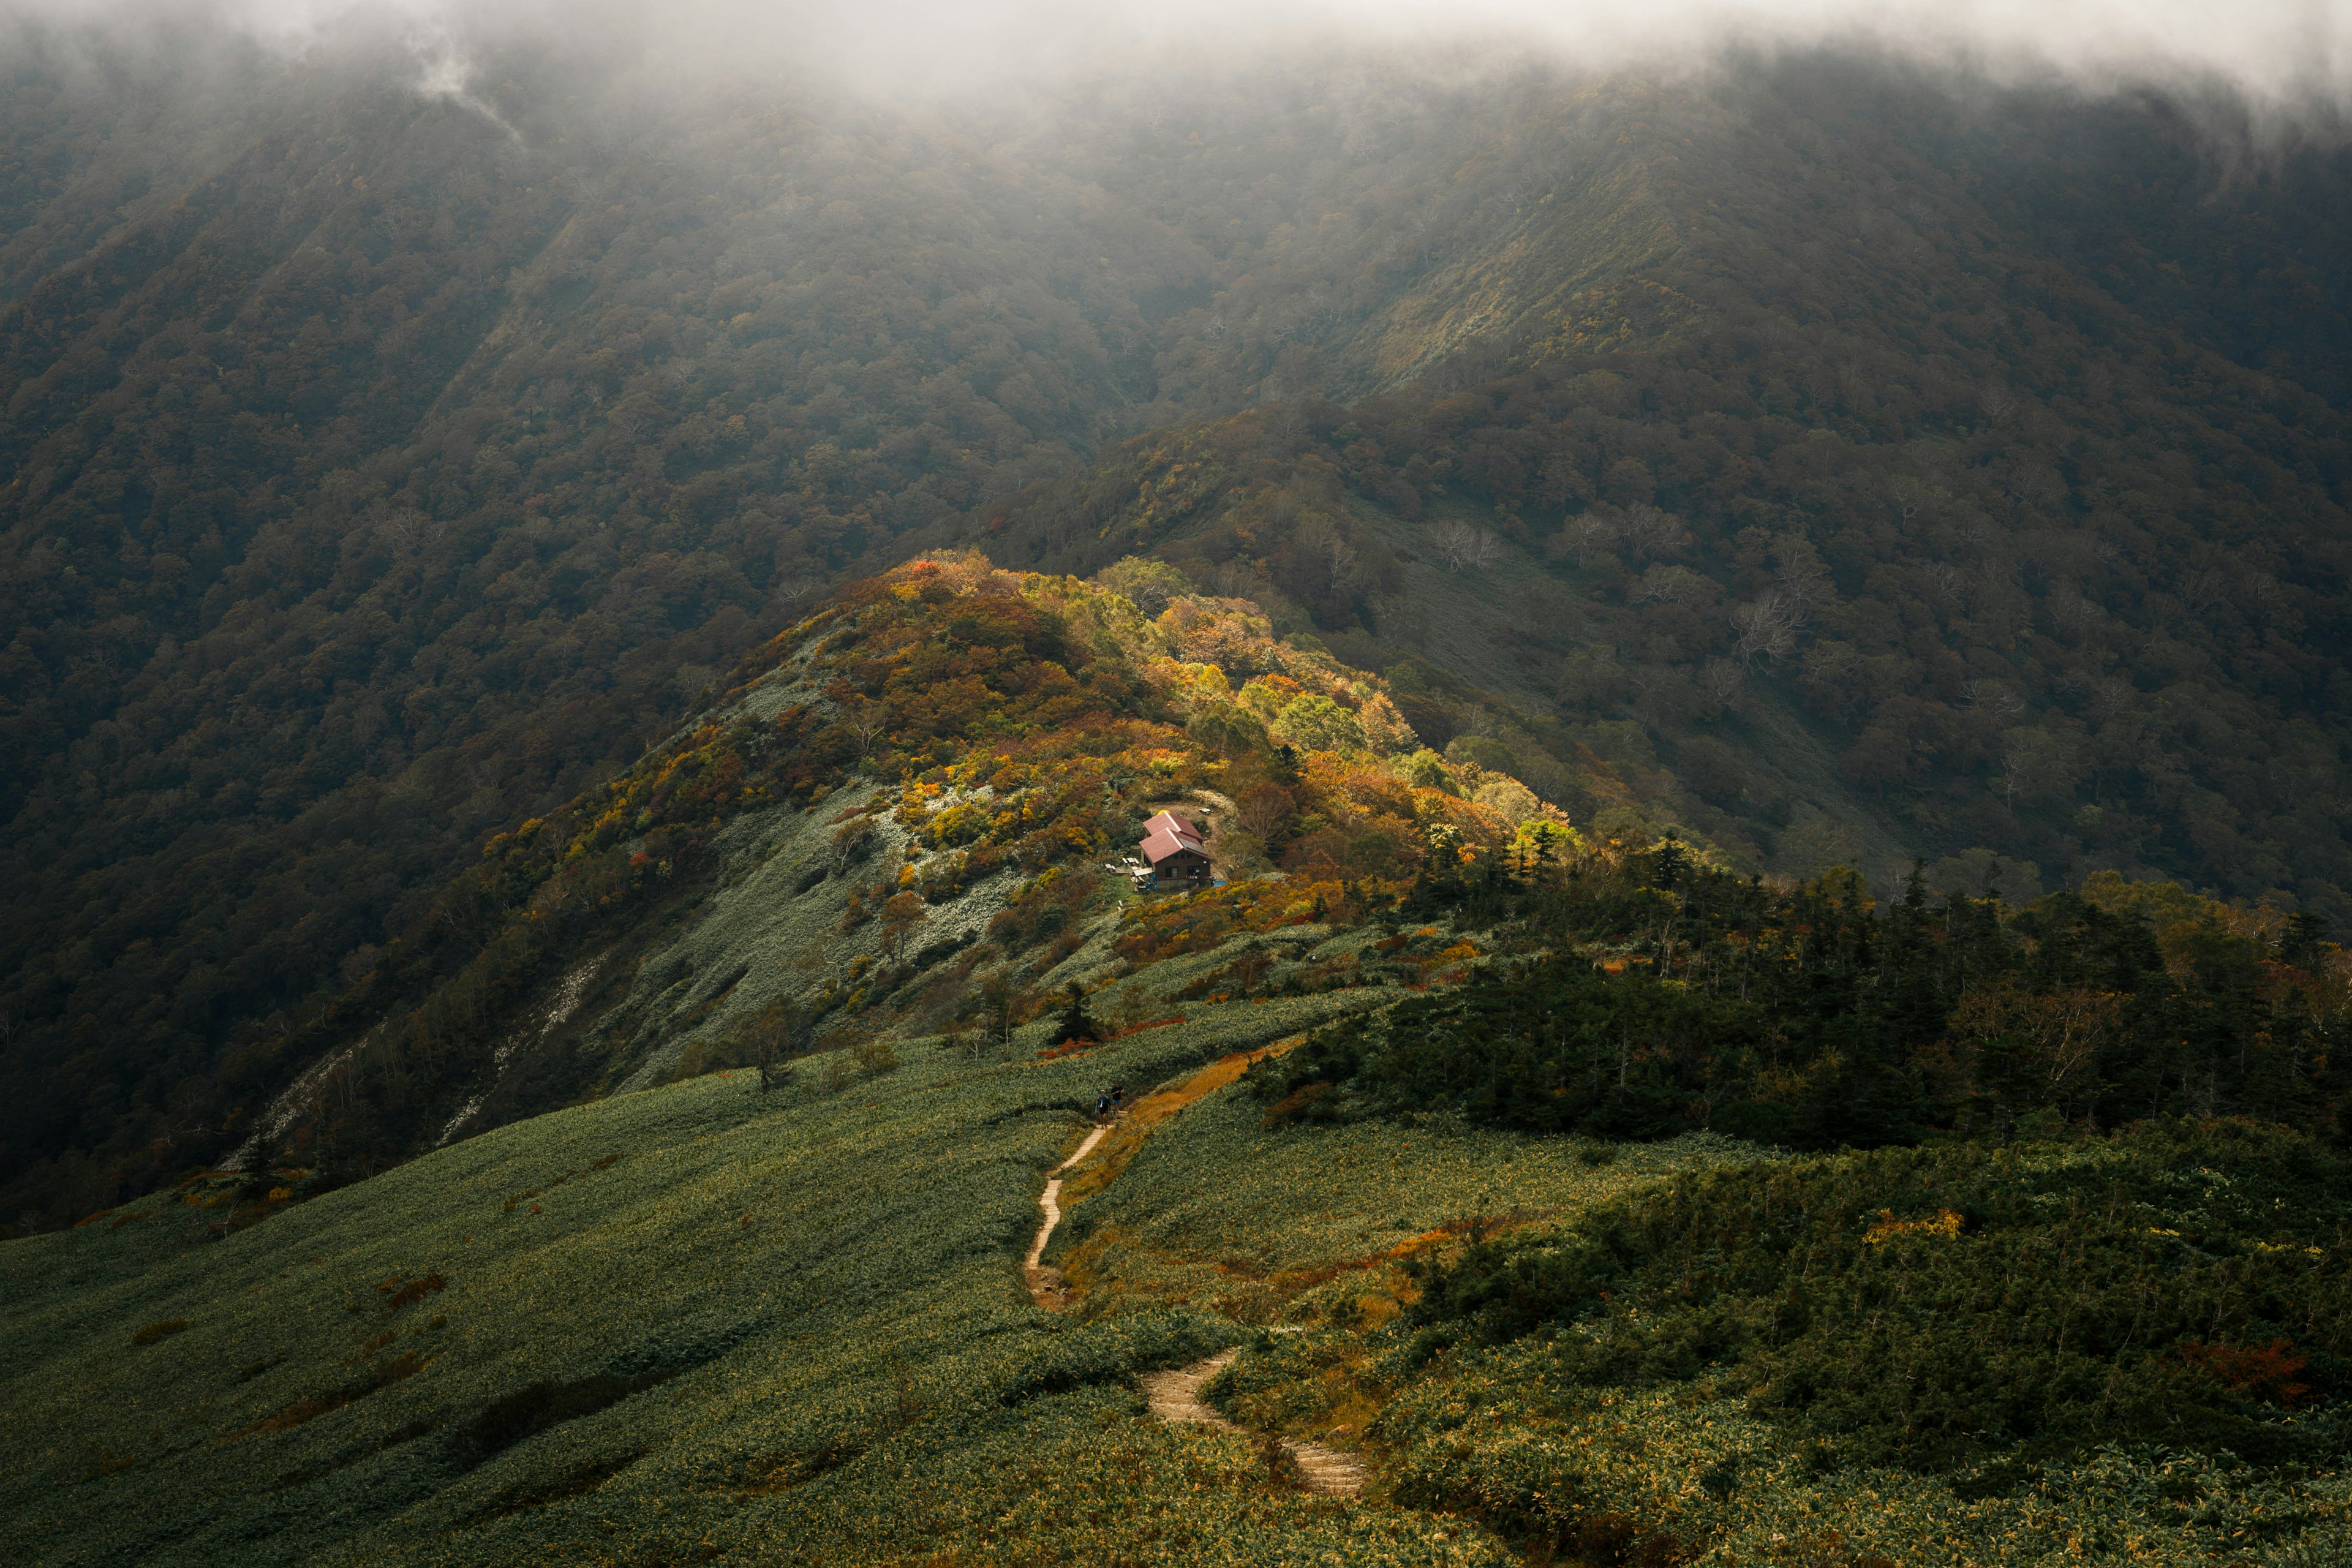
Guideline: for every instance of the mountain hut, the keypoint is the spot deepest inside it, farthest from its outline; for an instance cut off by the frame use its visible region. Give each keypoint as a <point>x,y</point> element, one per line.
<point>1176,858</point>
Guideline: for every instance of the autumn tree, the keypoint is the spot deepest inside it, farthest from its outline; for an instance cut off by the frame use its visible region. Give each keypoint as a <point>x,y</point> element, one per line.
<point>902,913</point>
<point>780,1032</point>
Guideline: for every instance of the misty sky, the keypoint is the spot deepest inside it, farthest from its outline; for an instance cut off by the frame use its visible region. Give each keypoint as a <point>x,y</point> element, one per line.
<point>2277,51</point>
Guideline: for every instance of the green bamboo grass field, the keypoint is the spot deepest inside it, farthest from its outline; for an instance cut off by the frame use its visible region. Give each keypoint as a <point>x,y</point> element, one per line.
<point>1755,641</point>
<point>1220,1208</point>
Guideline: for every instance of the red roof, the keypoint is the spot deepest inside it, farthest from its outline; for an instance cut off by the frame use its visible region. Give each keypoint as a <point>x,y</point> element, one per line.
<point>1159,845</point>
<point>1171,822</point>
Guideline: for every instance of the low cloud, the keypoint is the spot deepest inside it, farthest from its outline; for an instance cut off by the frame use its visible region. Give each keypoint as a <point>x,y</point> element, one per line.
<point>2278,54</point>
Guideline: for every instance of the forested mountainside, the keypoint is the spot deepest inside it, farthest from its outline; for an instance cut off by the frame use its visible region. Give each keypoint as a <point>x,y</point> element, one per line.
<point>1986,627</point>
<point>1893,469</point>
<point>1870,523</point>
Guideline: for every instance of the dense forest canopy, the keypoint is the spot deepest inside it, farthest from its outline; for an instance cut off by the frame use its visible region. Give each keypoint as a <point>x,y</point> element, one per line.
<point>381,469</point>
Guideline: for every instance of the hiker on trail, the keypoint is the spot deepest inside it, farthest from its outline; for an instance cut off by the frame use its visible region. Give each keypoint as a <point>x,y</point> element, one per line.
<point>1117,1093</point>
<point>1102,1106</point>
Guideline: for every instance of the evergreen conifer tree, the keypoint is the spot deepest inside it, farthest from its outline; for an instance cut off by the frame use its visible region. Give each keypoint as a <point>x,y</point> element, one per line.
<point>1075,1023</point>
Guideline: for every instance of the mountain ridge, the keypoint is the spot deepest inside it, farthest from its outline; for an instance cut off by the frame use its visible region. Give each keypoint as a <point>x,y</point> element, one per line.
<point>553,972</point>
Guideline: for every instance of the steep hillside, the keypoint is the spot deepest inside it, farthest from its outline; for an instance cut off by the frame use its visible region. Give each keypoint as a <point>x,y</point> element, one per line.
<point>904,815</point>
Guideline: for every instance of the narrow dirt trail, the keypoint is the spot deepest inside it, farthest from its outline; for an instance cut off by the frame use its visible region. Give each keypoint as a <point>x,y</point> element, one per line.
<point>1175,1397</point>
<point>1047,1289</point>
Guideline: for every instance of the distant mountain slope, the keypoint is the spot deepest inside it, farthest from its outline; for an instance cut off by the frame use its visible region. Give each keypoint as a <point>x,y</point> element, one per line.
<point>394,477</point>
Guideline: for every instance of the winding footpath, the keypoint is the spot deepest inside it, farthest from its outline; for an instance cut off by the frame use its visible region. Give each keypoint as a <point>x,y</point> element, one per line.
<point>1046,1286</point>
<point>1175,1397</point>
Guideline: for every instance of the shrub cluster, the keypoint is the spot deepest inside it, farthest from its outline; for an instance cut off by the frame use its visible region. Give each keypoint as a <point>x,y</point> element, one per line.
<point>2181,1284</point>
<point>1659,996</point>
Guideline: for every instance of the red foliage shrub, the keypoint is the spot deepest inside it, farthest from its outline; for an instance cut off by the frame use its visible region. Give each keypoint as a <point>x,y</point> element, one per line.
<point>2265,1373</point>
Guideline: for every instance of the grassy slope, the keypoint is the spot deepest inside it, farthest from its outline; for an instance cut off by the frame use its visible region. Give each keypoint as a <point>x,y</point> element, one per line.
<point>1673,1468</point>
<point>1513,1435</point>
<point>830,1286</point>
<point>1215,1209</point>
<point>740,866</point>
